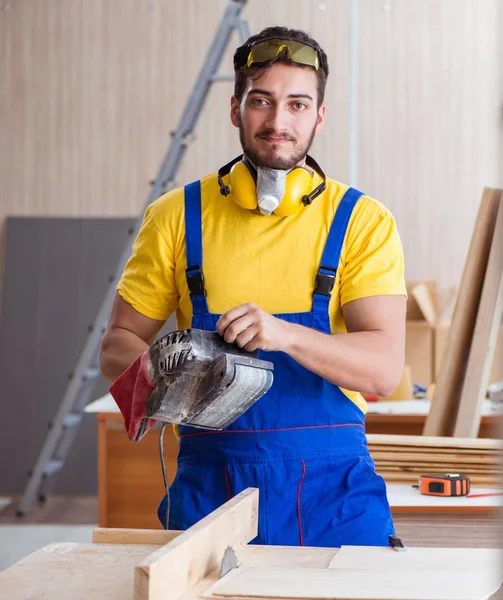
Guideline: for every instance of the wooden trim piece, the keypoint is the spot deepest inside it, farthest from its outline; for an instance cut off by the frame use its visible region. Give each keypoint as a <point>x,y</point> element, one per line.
<point>433,441</point>
<point>141,584</point>
<point>102,473</point>
<point>179,565</point>
<point>436,578</point>
<point>444,407</point>
<point>494,511</point>
<point>110,535</point>
<point>422,294</point>
<point>485,335</point>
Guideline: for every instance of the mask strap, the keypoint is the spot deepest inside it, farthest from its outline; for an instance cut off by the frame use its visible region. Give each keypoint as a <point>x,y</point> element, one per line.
<point>308,198</point>
<point>225,190</point>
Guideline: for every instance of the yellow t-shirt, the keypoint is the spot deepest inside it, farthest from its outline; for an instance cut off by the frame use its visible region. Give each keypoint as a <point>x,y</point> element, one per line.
<point>269,260</point>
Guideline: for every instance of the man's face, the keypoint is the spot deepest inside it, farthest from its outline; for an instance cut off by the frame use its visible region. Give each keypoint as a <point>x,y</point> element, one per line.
<point>278,116</point>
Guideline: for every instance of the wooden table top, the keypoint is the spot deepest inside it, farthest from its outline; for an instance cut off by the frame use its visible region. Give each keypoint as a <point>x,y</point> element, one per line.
<point>64,571</point>
<point>106,571</point>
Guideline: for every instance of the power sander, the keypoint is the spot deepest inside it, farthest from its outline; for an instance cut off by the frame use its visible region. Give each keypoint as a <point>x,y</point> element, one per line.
<point>203,381</point>
<point>190,377</point>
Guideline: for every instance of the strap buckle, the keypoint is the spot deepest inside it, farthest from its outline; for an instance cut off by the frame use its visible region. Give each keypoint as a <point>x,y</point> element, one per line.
<point>195,280</point>
<point>325,281</point>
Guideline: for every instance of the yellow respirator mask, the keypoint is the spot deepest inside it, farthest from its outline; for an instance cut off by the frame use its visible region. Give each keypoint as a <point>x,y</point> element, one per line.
<point>244,182</point>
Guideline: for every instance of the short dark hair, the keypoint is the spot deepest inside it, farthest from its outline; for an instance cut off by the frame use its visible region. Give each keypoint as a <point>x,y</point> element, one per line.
<point>242,73</point>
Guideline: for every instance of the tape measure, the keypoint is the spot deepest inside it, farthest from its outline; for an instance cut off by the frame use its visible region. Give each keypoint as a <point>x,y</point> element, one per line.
<point>451,484</point>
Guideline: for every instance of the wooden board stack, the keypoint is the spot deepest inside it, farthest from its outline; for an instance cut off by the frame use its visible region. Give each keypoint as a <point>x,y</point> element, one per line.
<point>403,458</point>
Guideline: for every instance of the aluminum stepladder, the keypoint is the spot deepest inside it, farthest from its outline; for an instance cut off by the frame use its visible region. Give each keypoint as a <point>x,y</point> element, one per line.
<point>63,428</point>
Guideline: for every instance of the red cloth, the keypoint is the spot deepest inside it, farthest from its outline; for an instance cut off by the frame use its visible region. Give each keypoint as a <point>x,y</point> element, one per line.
<point>131,391</point>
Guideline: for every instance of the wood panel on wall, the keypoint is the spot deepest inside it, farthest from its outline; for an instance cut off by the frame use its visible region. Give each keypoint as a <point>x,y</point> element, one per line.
<point>90,89</point>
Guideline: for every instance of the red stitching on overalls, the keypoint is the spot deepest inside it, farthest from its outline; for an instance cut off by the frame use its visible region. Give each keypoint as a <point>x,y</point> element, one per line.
<point>299,519</point>
<point>186,435</point>
<point>227,483</point>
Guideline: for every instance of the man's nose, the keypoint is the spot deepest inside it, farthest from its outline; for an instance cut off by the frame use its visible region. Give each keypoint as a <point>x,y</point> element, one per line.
<point>278,119</point>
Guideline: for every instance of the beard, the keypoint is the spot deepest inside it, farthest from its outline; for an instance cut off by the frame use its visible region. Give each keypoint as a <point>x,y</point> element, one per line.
<point>272,159</point>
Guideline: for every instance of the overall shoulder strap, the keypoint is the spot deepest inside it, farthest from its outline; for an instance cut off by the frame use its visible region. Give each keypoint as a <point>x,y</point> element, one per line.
<point>327,271</point>
<point>194,244</point>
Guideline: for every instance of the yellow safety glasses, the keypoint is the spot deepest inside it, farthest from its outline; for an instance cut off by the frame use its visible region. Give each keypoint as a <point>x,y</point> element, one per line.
<point>264,51</point>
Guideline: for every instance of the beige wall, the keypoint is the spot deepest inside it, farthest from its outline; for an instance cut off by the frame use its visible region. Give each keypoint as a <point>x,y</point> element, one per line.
<point>90,89</point>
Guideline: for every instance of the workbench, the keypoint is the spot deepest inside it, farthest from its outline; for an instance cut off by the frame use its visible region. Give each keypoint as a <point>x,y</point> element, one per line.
<point>130,484</point>
<point>163,565</point>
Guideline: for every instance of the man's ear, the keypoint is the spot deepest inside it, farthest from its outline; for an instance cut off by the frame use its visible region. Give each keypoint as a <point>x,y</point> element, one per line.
<point>234,111</point>
<point>320,121</point>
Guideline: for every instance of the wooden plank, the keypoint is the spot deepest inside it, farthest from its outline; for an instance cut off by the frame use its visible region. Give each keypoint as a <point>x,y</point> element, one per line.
<point>450,452</point>
<point>473,459</point>
<point>69,571</point>
<point>414,310</point>
<point>441,418</point>
<point>421,293</point>
<point>332,584</point>
<point>102,474</point>
<point>485,460</point>
<point>493,465</point>
<point>485,335</point>
<point>438,468</point>
<point>461,453</point>
<point>433,441</point>
<point>477,479</point>
<point>421,469</point>
<point>109,535</point>
<point>483,452</point>
<point>176,567</point>
<point>423,559</point>
<point>417,472</point>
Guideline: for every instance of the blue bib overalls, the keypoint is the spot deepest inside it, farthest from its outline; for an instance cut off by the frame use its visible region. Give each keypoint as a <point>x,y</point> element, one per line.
<point>302,444</point>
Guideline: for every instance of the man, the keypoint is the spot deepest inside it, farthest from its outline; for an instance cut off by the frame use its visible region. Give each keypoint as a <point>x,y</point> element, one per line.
<point>301,268</point>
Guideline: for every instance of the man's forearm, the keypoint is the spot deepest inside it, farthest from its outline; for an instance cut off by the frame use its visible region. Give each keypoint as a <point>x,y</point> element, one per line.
<point>362,361</point>
<point>120,348</point>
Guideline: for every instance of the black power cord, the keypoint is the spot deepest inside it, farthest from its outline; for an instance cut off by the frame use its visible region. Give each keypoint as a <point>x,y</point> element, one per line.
<point>164,474</point>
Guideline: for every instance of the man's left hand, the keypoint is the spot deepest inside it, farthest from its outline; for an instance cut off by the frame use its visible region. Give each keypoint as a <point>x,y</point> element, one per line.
<point>251,328</point>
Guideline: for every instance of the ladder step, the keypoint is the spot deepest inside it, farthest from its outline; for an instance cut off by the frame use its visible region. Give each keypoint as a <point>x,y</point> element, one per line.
<point>72,420</point>
<point>222,77</point>
<point>53,466</point>
<point>91,373</point>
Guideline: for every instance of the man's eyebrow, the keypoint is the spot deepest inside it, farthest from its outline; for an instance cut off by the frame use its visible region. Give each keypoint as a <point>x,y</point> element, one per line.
<point>260,91</point>
<point>270,94</point>
<point>307,96</point>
